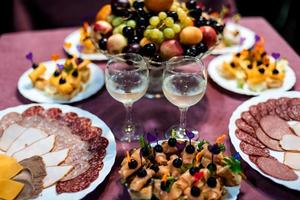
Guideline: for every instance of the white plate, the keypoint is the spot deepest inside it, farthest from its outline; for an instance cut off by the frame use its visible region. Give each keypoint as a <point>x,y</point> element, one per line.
<point>108,160</point>
<point>231,85</point>
<point>244,32</point>
<point>74,40</point>
<point>236,142</point>
<point>94,84</point>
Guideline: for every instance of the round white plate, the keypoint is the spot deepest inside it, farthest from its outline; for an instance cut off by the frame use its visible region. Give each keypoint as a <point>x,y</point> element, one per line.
<point>94,84</point>
<point>74,40</point>
<point>236,142</point>
<point>108,160</point>
<point>231,85</point>
<point>244,32</point>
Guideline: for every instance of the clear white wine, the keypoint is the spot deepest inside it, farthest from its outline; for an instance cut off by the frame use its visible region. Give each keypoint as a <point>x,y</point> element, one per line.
<point>127,89</point>
<point>184,90</point>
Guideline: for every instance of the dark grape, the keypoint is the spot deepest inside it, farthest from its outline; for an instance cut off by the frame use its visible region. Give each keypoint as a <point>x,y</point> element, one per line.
<point>132,164</point>
<point>132,48</point>
<point>135,39</point>
<point>196,13</point>
<point>103,43</point>
<point>201,48</point>
<point>172,142</point>
<point>173,14</point>
<point>142,21</point>
<point>149,49</point>
<point>191,4</point>
<point>128,32</point>
<point>195,191</point>
<point>177,162</point>
<point>141,13</point>
<point>218,27</point>
<point>157,58</point>
<point>201,21</point>
<point>139,32</point>
<point>191,51</point>
<point>138,4</point>
<point>158,148</point>
<point>190,149</point>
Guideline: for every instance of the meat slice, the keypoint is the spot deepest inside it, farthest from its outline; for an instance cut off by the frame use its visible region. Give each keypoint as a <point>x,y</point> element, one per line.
<point>276,169</point>
<point>249,119</point>
<point>255,112</point>
<point>248,138</point>
<point>262,107</point>
<point>275,127</point>
<point>294,112</point>
<point>282,108</point>
<point>266,140</point>
<point>253,159</point>
<point>9,119</point>
<point>241,124</point>
<point>294,101</point>
<point>53,113</point>
<point>33,110</point>
<point>271,106</point>
<point>253,151</point>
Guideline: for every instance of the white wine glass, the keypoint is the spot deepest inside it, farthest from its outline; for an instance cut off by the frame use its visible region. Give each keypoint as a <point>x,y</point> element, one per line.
<point>184,85</point>
<point>127,80</point>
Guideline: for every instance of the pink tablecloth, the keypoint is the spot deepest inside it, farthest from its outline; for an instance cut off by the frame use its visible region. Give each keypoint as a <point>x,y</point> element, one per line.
<point>210,116</point>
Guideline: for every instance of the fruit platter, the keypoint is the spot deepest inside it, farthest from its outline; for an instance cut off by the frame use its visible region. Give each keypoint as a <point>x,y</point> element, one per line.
<point>51,151</point>
<point>252,72</point>
<point>181,169</point>
<point>60,80</point>
<point>159,30</point>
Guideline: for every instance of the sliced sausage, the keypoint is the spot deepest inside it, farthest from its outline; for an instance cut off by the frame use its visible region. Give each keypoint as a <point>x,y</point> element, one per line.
<point>249,119</point>
<point>248,138</point>
<point>271,106</point>
<point>253,151</point>
<point>294,112</point>
<point>266,140</point>
<point>276,169</point>
<point>255,112</point>
<point>241,124</point>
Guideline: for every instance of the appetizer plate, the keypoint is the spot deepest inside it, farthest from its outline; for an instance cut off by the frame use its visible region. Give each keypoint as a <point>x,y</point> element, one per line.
<point>244,32</point>
<point>231,85</point>
<point>236,142</point>
<point>74,40</point>
<point>94,84</point>
<point>108,161</point>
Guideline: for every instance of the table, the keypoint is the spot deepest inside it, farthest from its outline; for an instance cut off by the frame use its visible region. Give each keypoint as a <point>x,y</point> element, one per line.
<point>210,116</point>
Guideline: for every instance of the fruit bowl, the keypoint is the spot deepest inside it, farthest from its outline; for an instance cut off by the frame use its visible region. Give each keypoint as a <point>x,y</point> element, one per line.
<point>156,29</point>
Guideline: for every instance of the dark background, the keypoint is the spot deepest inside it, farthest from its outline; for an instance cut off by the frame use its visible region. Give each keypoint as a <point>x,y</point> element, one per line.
<point>20,15</point>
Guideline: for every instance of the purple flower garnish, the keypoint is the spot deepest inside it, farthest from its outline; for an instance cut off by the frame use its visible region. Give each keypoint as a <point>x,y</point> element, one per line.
<point>257,38</point>
<point>189,134</point>
<point>180,146</point>
<point>151,138</point>
<point>275,55</point>
<point>29,57</point>
<point>242,40</point>
<point>237,156</point>
<point>79,47</point>
<point>60,66</point>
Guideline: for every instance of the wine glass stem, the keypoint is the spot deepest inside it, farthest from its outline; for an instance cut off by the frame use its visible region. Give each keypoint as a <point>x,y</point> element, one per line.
<point>128,108</point>
<point>183,112</point>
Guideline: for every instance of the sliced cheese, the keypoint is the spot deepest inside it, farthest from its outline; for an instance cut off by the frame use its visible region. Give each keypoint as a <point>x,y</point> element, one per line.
<point>292,160</point>
<point>54,174</point>
<point>296,128</point>
<point>28,137</point>
<point>38,148</point>
<point>9,167</point>
<point>290,142</point>
<point>55,158</point>
<point>10,135</point>
<point>10,189</point>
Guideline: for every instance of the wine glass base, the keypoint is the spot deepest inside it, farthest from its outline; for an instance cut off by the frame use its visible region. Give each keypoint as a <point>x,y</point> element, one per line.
<point>154,96</point>
<point>179,132</point>
<point>129,132</point>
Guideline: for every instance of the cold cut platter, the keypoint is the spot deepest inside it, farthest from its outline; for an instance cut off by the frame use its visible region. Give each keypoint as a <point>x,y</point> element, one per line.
<point>265,130</point>
<point>74,149</point>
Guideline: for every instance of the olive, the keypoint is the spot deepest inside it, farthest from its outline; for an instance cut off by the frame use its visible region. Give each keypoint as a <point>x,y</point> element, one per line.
<point>190,149</point>
<point>158,148</point>
<point>177,162</point>
<point>56,73</point>
<point>145,151</point>
<point>261,70</point>
<point>75,73</point>
<point>34,65</point>
<point>195,191</point>
<point>212,167</point>
<point>142,173</point>
<point>172,142</point>
<point>275,71</point>
<point>211,182</point>
<point>154,168</point>
<point>132,164</point>
<point>193,170</point>
<point>62,81</point>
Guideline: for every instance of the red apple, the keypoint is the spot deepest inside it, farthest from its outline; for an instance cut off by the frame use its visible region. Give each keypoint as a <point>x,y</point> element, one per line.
<point>102,27</point>
<point>209,36</point>
<point>170,48</point>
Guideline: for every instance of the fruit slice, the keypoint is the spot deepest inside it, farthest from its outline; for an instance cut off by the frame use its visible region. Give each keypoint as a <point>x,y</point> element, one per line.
<point>292,160</point>
<point>55,158</point>
<point>54,174</point>
<point>10,135</point>
<point>28,137</point>
<point>38,148</point>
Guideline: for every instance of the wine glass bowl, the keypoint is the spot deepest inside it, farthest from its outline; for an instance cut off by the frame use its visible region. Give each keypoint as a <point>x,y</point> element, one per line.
<point>184,85</point>
<point>127,79</point>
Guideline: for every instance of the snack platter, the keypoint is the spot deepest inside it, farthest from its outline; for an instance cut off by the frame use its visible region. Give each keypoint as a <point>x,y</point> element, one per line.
<point>93,142</point>
<point>284,110</point>
<point>94,83</point>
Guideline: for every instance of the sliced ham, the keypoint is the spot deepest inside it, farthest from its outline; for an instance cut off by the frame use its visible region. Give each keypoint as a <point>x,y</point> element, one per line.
<point>296,128</point>
<point>28,137</point>
<point>54,174</point>
<point>266,140</point>
<point>55,158</point>
<point>276,169</point>
<point>38,148</point>
<point>10,135</point>
<point>275,127</point>
<point>290,142</point>
<point>292,160</point>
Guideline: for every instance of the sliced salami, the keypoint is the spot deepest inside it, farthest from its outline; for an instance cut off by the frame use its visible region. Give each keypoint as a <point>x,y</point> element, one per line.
<point>275,127</point>
<point>263,109</point>
<point>33,110</point>
<point>53,113</point>
<point>253,151</point>
<point>249,119</point>
<point>294,112</point>
<point>241,124</point>
<point>271,106</point>
<point>90,132</point>
<point>9,119</point>
<point>294,102</point>
<point>282,114</point>
<point>248,138</point>
<point>276,169</point>
<point>69,118</point>
<point>98,143</point>
<point>255,112</point>
<point>266,140</point>
<point>80,125</point>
